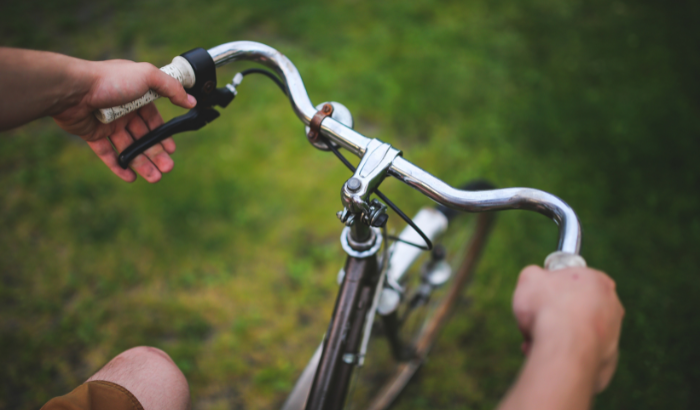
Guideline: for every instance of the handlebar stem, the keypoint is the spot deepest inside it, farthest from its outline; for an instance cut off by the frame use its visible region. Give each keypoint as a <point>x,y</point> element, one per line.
<point>371,171</point>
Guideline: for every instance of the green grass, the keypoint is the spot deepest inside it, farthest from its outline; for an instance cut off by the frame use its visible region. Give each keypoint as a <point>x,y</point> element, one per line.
<point>229,262</point>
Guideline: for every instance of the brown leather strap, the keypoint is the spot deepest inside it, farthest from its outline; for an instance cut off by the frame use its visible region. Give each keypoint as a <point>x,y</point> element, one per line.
<point>315,124</point>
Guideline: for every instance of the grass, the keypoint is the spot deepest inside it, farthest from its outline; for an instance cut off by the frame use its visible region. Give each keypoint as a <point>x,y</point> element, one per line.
<point>229,262</point>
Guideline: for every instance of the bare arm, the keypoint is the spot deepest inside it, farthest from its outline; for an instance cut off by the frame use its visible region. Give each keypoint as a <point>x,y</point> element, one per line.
<point>571,321</point>
<point>35,84</point>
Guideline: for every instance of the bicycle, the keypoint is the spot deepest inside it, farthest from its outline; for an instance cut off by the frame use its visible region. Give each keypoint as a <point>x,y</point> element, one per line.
<point>412,303</point>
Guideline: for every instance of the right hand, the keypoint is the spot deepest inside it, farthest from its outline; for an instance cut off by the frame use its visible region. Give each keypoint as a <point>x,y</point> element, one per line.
<point>579,307</point>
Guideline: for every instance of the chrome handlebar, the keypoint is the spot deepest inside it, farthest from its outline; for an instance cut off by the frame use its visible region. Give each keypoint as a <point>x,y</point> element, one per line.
<point>471,201</point>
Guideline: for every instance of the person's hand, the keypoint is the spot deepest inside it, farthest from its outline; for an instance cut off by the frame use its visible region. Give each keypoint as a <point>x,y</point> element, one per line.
<point>116,82</point>
<point>575,307</point>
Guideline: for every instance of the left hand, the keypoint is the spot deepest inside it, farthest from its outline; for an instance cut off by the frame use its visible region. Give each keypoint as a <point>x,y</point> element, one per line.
<point>116,82</point>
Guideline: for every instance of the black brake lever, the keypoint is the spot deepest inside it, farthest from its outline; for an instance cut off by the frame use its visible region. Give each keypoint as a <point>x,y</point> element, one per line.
<point>195,119</point>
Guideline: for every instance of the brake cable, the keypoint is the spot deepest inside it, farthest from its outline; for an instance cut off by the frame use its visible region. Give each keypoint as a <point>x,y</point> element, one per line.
<point>267,74</point>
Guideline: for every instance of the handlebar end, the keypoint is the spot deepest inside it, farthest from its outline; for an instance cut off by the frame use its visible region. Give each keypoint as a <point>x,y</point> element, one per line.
<point>560,260</point>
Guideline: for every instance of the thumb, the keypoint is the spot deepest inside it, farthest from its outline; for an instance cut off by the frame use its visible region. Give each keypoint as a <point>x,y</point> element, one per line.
<point>167,86</point>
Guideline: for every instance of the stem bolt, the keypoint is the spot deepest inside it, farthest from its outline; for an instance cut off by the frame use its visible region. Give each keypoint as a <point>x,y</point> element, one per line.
<point>354,184</point>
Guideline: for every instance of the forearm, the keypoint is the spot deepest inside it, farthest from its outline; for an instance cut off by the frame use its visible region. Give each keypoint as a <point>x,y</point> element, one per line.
<point>38,83</point>
<point>558,375</point>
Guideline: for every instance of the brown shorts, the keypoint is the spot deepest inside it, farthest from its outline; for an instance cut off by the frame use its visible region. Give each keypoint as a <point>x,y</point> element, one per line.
<point>95,395</point>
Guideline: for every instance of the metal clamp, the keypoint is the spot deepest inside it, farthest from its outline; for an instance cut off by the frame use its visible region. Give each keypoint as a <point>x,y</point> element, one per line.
<point>372,170</point>
<point>315,124</point>
<point>341,114</point>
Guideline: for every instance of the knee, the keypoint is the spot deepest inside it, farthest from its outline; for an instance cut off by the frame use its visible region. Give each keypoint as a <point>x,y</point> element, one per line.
<point>149,361</point>
<point>150,375</point>
<point>146,353</point>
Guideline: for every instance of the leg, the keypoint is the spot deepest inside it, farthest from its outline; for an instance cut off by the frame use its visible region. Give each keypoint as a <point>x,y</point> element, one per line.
<point>150,375</point>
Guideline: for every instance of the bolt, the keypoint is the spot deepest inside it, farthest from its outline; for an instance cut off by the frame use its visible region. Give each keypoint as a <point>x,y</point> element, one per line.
<point>208,87</point>
<point>327,109</point>
<point>354,184</point>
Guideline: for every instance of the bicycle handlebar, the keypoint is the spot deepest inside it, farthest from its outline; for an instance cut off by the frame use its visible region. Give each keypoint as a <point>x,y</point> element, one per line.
<point>415,177</point>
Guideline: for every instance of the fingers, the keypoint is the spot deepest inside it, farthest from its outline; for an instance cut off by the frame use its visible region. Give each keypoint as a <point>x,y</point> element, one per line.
<point>103,149</point>
<point>169,87</point>
<point>606,373</point>
<point>156,154</point>
<point>153,120</point>
<point>155,160</point>
<point>612,353</point>
<point>525,300</point>
<point>168,145</point>
<point>142,165</point>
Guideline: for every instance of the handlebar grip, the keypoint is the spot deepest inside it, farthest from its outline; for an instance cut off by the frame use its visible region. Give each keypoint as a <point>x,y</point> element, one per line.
<point>180,69</point>
<point>561,260</point>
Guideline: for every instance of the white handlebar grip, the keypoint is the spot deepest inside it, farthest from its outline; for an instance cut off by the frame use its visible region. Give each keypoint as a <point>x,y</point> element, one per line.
<point>180,69</point>
<point>560,260</point>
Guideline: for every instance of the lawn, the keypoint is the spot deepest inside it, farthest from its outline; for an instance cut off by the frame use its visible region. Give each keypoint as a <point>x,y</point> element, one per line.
<point>229,263</point>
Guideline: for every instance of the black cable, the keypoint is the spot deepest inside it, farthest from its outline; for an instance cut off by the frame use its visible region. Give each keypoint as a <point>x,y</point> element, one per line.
<point>268,74</point>
<point>340,156</point>
<point>428,244</point>
<point>397,239</point>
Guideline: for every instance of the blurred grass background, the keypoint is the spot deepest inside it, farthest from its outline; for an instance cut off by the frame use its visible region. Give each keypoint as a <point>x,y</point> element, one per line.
<point>229,262</point>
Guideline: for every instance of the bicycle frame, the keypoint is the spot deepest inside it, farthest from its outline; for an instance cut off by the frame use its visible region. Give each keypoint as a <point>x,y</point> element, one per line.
<point>341,345</point>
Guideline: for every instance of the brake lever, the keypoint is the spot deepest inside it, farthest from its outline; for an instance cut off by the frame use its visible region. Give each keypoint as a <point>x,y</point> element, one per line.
<point>196,118</point>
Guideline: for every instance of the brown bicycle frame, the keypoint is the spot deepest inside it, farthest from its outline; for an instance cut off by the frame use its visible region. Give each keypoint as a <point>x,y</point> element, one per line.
<point>342,342</point>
